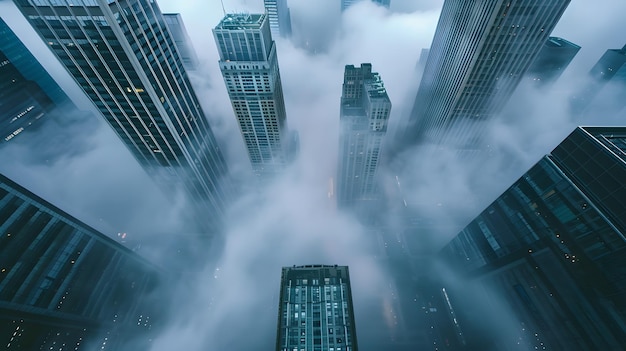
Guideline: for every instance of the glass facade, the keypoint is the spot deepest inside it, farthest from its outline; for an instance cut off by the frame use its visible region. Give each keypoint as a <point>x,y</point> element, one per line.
<point>279,17</point>
<point>122,55</point>
<point>316,311</point>
<point>183,43</point>
<point>365,109</point>
<point>63,283</point>
<point>249,64</point>
<point>552,60</point>
<point>480,53</point>
<point>554,247</point>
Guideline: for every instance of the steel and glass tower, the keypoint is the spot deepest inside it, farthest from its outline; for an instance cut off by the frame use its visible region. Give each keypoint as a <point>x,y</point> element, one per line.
<point>315,311</point>
<point>365,108</point>
<point>552,60</point>
<point>123,56</point>
<point>182,40</point>
<point>480,52</point>
<point>250,68</point>
<point>66,286</point>
<point>279,16</point>
<point>347,3</point>
<point>552,247</point>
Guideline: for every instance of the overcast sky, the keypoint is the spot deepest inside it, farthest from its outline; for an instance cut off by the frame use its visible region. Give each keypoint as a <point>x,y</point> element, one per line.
<point>293,221</point>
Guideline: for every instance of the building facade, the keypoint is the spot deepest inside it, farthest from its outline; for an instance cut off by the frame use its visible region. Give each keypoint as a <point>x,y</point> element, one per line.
<point>552,60</point>
<point>316,311</point>
<point>364,113</point>
<point>606,85</point>
<point>480,52</point>
<point>279,17</point>
<point>182,40</point>
<point>249,64</point>
<point>63,285</point>
<point>552,248</point>
<point>27,92</point>
<point>122,55</point>
<point>347,3</point>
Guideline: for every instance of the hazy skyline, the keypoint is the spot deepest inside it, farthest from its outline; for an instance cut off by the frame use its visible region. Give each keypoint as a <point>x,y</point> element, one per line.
<point>293,220</point>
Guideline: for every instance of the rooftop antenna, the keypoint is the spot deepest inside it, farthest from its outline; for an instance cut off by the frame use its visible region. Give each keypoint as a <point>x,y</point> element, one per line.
<point>223,8</point>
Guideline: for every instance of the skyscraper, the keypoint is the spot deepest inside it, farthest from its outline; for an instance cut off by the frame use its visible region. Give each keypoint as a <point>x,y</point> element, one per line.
<point>183,43</point>
<point>123,56</point>
<point>553,58</point>
<point>365,108</point>
<point>63,285</point>
<point>479,54</point>
<point>279,17</point>
<point>607,85</point>
<point>315,311</point>
<point>347,3</point>
<point>249,65</point>
<point>27,92</point>
<point>552,247</point>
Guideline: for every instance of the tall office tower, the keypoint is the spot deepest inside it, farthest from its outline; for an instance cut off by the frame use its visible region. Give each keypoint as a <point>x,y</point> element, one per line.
<point>249,65</point>
<point>63,285</point>
<point>315,311</point>
<point>479,54</point>
<point>347,3</point>
<point>552,247</point>
<point>27,92</point>
<point>182,40</point>
<point>553,58</point>
<point>279,16</point>
<point>124,58</point>
<point>365,108</point>
<point>604,93</point>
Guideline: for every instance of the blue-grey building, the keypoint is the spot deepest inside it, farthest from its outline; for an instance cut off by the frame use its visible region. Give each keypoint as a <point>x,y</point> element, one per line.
<point>249,64</point>
<point>553,58</point>
<point>347,3</point>
<point>182,40</point>
<point>123,56</point>
<point>279,16</point>
<point>364,114</point>
<point>479,54</point>
<point>66,286</point>
<point>315,309</point>
<point>552,249</point>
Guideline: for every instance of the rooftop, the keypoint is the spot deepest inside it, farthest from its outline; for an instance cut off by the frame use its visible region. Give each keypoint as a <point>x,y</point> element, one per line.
<point>234,21</point>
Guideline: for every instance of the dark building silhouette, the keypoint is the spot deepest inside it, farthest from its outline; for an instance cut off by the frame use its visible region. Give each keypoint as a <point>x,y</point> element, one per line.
<point>553,58</point>
<point>552,249</point>
<point>27,92</point>
<point>604,92</point>
<point>316,311</point>
<point>63,285</point>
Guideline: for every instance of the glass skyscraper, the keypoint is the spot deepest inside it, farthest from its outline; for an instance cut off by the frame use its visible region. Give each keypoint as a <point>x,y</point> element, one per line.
<point>316,311</point>
<point>279,16</point>
<point>249,65</point>
<point>65,286</point>
<point>480,52</point>
<point>365,108</point>
<point>552,247</point>
<point>552,60</point>
<point>123,56</point>
<point>182,40</point>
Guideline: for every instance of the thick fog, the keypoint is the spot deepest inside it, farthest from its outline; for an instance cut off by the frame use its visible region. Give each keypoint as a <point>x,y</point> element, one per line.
<point>230,300</point>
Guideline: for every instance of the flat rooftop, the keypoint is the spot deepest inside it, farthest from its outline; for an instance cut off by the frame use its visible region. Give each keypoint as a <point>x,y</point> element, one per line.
<point>234,21</point>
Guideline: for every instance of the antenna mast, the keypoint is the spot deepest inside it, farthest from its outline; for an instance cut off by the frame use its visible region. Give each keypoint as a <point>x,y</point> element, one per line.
<point>223,8</point>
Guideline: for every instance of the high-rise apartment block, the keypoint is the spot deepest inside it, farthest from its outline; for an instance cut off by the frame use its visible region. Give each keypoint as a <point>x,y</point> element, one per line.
<point>182,40</point>
<point>554,57</point>
<point>316,311</point>
<point>480,52</point>
<point>365,108</point>
<point>249,65</point>
<point>279,17</point>
<point>122,55</point>
<point>552,248</point>
<point>347,3</point>
<point>65,286</point>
